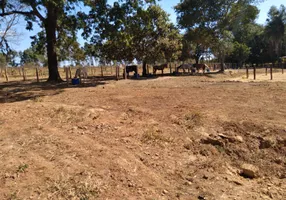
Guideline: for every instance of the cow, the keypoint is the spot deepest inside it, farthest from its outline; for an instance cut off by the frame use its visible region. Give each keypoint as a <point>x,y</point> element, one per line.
<point>189,67</point>
<point>81,73</point>
<point>131,68</point>
<point>201,66</point>
<point>159,67</point>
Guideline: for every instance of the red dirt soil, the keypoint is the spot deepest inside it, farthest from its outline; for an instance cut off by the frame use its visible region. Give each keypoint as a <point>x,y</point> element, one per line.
<point>165,138</point>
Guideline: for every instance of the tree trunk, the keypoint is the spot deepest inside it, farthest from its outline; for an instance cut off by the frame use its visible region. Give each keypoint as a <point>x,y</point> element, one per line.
<point>222,66</point>
<point>197,59</point>
<point>50,26</point>
<point>144,73</point>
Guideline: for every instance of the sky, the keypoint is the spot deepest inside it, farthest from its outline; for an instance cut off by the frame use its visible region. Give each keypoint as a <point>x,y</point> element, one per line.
<point>167,5</point>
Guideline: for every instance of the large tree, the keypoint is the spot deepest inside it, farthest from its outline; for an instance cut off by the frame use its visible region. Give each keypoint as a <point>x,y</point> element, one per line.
<point>275,31</point>
<point>131,30</point>
<point>214,17</point>
<point>55,17</point>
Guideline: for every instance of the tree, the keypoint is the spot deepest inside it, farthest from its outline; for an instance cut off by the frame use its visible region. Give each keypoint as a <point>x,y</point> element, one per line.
<point>7,32</point>
<point>223,47</point>
<point>275,31</point>
<point>171,45</point>
<point>31,55</point>
<point>240,53</point>
<point>54,16</point>
<point>132,30</point>
<point>200,39</point>
<point>214,17</point>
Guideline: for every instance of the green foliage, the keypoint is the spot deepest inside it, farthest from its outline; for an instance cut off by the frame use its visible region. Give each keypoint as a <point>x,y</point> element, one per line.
<point>240,52</point>
<point>200,39</point>
<point>10,58</point>
<point>131,30</point>
<point>275,31</point>
<point>223,46</point>
<point>215,24</point>
<point>58,22</point>
<point>31,55</point>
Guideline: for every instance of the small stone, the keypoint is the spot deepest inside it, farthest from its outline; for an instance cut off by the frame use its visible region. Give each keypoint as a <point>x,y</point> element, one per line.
<point>249,171</point>
<point>205,176</point>
<point>212,141</point>
<point>190,179</point>
<point>238,138</point>
<point>130,184</point>
<point>188,183</point>
<point>165,192</point>
<point>267,143</point>
<point>201,197</point>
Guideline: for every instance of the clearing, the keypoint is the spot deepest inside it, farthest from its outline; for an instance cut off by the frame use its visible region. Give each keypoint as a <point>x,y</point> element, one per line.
<point>164,138</point>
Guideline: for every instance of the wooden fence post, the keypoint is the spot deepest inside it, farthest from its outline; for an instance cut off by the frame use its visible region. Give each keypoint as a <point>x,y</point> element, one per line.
<point>266,69</point>
<point>247,74</point>
<point>254,71</point>
<point>6,75</point>
<point>271,71</point>
<point>20,71</point>
<point>125,74</point>
<point>147,66</point>
<point>70,72</point>
<point>101,67</point>
<point>117,72</point>
<point>67,75</point>
<point>170,65</point>
<point>37,75</point>
<point>24,74</point>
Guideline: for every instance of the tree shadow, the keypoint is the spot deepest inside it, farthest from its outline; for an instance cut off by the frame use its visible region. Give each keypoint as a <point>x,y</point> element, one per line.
<point>21,91</point>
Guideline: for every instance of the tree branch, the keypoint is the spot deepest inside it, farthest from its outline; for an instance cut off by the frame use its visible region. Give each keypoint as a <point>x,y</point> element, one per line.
<point>16,12</point>
<point>37,13</point>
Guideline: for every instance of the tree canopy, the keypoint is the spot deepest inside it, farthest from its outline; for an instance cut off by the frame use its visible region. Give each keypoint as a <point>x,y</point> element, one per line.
<point>140,30</point>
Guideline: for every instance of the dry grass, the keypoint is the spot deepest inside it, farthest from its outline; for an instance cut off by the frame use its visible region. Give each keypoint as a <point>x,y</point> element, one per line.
<point>79,187</point>
<point>37,99</point>
<point>67,115</point>
<point>154,135</point>
<point>193,119</point>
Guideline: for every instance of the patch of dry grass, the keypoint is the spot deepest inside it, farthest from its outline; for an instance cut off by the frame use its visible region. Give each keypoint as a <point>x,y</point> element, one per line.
<point>37,99</point>
<point>66,115</point>
<point>156,136</point>
<point>78,187</point>
<point>193,119</point>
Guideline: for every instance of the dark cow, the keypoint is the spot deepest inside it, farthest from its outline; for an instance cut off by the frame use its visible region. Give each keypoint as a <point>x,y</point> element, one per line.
<point>201,66</point>
<point>131,68</point>
<point>159,67</point>
<point>189,67</point>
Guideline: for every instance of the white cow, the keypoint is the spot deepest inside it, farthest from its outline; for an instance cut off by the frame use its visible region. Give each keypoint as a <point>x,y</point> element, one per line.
<point>81,73</point>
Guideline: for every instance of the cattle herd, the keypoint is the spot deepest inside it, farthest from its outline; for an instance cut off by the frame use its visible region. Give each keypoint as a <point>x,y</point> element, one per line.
<point>190,67</point>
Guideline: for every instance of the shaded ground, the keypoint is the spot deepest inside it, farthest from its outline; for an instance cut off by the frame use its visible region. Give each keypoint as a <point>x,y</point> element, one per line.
<point>166,138</point>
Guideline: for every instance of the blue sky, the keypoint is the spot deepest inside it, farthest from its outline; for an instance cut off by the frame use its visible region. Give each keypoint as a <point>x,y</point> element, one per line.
<point>167,5</point>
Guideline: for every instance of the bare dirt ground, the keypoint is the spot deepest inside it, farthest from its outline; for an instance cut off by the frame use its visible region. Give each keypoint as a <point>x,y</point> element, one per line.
<point>164,138</point>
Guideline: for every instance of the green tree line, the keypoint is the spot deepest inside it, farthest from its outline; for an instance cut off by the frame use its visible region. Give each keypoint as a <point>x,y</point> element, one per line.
<point>141,30</point>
